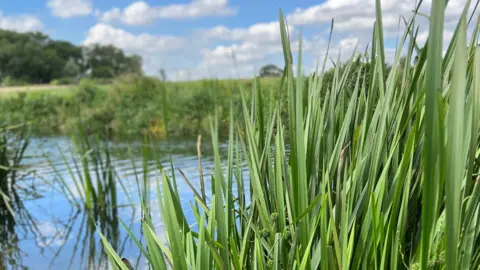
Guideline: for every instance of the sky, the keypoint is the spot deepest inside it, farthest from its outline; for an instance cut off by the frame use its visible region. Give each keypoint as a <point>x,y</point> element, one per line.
<point>193,39</point>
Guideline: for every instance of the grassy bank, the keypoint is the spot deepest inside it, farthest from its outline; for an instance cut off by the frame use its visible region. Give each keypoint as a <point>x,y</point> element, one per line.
<point>130,107</point>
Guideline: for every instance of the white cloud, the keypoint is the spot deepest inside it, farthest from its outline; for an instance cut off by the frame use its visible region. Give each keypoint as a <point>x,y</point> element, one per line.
<point>353,15</point>
<point>20,23</point>
<point>157,51</point>
<point>243,59</point>
<point>135,43</point>
<point>70,8</point>
<point>52,234</point>
<point>348,43</point>
<point>244,52</point>
<point>251,48</point>
<point>422,37</point>
<point>141,13</point>
<point>260,32</point>
<point>224,51</point>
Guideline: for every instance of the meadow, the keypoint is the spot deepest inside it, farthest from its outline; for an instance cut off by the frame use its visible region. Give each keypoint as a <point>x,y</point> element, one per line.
<point>363,166</point>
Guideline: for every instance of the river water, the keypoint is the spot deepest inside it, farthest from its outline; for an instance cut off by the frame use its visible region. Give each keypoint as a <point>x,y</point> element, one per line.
<point>50,232</point>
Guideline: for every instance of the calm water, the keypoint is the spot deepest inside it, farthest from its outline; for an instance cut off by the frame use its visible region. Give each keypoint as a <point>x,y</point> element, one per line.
<point>51,233</point>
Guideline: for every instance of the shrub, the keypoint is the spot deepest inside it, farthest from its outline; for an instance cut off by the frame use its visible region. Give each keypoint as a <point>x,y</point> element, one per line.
<point>10,81</point>
<point>64,81</point>
<point>86,92</point>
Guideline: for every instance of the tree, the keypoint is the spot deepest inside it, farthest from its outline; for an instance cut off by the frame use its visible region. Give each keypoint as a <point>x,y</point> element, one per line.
<point>109,61</point>
<point>35,58</point>
<point>71,69</point>
<point>162,75</point>
<point>133,64</point>
<point>270,71</point>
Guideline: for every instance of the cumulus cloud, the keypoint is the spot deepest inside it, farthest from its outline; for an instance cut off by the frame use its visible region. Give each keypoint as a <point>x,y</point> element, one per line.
<point>348,43</point>
<point>244,52</point>
<point>251,47</point>
<point>135,43</point>
<point>245,58</point>
<point>70,8</point>
<point>447,36</point>
<point>20,23</point>
<point>260,32</point>
<point>223,51</point>
<point>157,51</point>
<point>141,13</point>
<point>353,15</point>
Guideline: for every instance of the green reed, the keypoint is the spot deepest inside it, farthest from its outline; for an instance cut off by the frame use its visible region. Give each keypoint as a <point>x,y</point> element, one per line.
<point>383,175</point>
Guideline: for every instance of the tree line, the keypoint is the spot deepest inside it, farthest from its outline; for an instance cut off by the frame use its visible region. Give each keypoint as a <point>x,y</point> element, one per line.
<point>34,57</point>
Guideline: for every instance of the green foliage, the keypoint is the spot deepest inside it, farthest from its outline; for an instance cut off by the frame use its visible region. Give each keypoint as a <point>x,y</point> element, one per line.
<point>133,106</point>
<point>55,82</point>
<point>64,81</point>
<point>35,58</point>
<point>270,71</point>
<point>10,81</point>
<point>381,176</point>
<point>72,68</point>
<point>110,62</point>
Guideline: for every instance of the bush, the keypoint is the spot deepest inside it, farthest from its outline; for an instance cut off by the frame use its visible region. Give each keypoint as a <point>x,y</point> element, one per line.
<point>86,92</point>
<point>134,105</point>
<point>64,81</point>
<point>10,81</point>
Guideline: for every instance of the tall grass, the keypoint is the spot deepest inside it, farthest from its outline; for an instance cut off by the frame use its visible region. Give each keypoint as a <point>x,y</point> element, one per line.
<point>88,178</point>
<point>381,176</point>
<point>131,107</point>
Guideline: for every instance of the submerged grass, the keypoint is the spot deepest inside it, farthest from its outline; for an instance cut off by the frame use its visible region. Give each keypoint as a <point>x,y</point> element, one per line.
<point>381,176</point>
<point>14,140</point>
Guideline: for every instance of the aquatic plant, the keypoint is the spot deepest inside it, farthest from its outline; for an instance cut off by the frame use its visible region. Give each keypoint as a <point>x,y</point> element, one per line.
<point>14,140</point>
<point>381,176</point>
<point>16,221</point>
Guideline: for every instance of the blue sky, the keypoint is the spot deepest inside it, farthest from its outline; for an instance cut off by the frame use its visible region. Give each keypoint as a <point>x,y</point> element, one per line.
<point>194,39</point>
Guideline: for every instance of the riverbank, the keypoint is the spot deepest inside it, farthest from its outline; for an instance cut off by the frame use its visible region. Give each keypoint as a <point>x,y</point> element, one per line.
<point>131,106</point>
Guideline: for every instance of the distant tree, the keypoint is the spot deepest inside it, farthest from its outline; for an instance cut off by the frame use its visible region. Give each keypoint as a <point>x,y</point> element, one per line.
<point>35,58</point>
<point>133,64</point>
<point>162,75</point>
<point>109,61</point>
<point>24,56</point>
<point>270,71</point>
<point>72,68</point>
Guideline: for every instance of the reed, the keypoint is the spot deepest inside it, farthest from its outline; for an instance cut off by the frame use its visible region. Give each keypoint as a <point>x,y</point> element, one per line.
<point>380,176</point>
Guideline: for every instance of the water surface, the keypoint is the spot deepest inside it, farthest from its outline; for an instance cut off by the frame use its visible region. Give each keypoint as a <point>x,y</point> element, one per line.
<point>50,232</point>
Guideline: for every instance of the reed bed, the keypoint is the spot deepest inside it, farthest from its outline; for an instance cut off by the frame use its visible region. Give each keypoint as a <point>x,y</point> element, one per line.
<point>383,175</point>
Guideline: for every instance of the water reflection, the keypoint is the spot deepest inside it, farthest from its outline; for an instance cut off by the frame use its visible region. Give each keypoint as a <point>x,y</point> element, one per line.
<point>88,252</point>
<point>17,223</point>
<point>51,231</point>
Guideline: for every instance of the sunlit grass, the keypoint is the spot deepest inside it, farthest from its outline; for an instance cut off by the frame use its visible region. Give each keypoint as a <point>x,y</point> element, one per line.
<point>381,176</point>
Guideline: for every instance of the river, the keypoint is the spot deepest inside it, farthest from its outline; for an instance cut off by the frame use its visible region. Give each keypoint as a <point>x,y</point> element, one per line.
<point>50,232</point>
